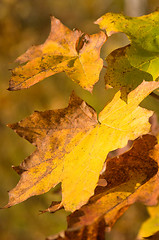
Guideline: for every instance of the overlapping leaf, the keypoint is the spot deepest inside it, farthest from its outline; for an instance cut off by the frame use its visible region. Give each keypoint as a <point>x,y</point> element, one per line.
<point>72,145</point>
<point>121,74</point>
<point>143,34</point>
<point>75,53</point>
<point>131,177</point>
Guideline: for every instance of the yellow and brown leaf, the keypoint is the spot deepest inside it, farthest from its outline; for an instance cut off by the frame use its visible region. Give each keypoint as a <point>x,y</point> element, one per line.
<point>74,52</point>
<point>131,177</point>
<point>72,145</point>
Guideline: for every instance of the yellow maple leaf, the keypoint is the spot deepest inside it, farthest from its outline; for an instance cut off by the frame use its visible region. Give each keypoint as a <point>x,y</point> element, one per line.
<point>72,145</point>
<point>74,52</point>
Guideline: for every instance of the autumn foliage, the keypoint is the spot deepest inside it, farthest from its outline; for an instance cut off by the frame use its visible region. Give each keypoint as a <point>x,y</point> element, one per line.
<point>72,144</point>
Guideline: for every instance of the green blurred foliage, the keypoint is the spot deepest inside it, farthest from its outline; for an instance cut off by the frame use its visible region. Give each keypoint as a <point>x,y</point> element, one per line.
<point>24,23</point>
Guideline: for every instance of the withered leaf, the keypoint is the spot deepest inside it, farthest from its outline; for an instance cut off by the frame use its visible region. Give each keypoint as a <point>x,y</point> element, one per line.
<point>75,53</point>
<point>131,177</point>
<point>72,145</point>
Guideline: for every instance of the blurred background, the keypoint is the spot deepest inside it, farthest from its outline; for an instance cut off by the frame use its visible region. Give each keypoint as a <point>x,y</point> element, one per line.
<point>24,23</point>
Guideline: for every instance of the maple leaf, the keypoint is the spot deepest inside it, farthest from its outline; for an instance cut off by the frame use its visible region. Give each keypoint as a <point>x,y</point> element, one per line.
<point>131,177</point>
<point>74,52</point>
<point>72,145</point>
<point>143,34</point>
<point>121,74</point>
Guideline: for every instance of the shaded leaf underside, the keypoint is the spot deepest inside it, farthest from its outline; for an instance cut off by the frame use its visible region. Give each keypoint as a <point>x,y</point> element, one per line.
<point>121,74</point>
